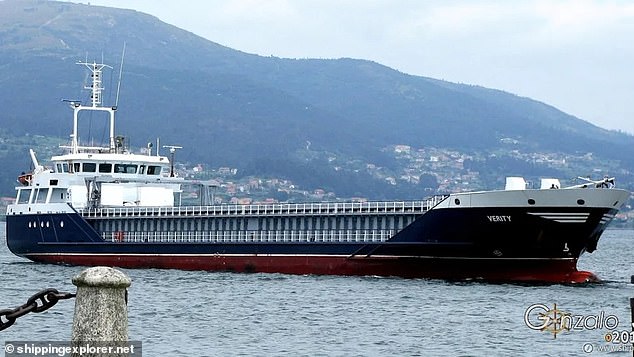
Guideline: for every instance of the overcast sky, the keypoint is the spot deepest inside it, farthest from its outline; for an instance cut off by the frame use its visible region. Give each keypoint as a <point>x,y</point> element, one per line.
<point>575,55</point>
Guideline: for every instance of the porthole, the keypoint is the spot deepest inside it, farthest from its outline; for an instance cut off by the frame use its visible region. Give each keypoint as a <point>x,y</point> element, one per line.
<point>61,224</point>
<point>29,224</point>
<point>457,201</point>
<point>581,202</point>
<point>48,224</point>
<point>42,224</point>
<point>531,201</point>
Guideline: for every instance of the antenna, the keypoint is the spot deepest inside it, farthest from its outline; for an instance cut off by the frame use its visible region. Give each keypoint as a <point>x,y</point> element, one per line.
<point>96,89</point>
<point>172,151</point>
<point>116,102</point>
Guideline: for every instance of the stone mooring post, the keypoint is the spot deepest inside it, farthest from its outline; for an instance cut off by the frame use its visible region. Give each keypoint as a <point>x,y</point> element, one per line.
<point>101,312</point>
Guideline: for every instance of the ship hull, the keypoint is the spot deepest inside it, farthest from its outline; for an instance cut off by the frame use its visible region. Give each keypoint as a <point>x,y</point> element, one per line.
<point>481,243</point>
<point>554,270</point>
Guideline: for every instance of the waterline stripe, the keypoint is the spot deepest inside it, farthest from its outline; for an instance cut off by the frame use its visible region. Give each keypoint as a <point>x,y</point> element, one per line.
<point>361,256</point>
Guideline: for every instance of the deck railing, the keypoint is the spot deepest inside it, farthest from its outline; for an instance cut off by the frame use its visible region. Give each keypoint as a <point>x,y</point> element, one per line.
<point>303,209</point>
<point>245,236</point>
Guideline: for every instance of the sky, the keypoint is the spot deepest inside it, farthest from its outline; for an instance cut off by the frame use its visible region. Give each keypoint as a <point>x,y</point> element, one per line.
<point>576,55</point>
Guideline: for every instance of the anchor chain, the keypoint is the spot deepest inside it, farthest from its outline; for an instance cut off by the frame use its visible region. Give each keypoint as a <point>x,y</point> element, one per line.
<point>39,302</point>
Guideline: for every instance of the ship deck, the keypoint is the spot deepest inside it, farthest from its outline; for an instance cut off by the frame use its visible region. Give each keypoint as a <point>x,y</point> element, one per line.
<point>258,223</point>
<point>290,209</point>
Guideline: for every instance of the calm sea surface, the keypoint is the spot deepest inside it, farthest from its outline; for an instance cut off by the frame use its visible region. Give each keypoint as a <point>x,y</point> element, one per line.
<point>180,313</point>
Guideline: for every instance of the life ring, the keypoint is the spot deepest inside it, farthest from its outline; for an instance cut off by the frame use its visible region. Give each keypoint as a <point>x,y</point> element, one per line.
<point>25,179</point>
<point>119,236</point>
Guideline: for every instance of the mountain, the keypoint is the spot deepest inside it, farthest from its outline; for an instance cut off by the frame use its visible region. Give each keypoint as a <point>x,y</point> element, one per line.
<point>259,114</point>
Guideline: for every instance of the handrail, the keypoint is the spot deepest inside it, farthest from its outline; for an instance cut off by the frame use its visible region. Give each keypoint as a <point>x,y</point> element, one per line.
<point>328,208</point>
<point>252,236</point>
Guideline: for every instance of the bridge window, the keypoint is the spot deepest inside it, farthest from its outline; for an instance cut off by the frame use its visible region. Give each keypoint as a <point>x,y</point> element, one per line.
<point>125,168</point>
<point>61,167</point>
<point>23,195</point>
<point>76,167</point>
<point>41,195</point>
<point>105,168</point>
<point>89,167</point>
<point>153,170</point>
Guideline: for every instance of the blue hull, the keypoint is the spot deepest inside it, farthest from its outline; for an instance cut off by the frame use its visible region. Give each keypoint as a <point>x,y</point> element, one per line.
<point>444,243</point>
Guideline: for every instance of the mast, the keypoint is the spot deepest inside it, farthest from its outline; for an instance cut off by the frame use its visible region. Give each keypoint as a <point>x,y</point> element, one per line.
<point>173,152</point>
<point>95,105</point>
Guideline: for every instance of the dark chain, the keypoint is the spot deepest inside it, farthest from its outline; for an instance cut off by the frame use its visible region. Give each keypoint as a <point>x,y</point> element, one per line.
<point>46,298</point>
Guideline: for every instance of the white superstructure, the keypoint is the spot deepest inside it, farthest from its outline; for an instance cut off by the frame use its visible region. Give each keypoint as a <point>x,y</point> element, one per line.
<point>95,176</point>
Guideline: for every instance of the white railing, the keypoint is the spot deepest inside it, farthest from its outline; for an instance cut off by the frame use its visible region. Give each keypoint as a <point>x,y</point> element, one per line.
<point>286,209</point>
<point>299,236</point>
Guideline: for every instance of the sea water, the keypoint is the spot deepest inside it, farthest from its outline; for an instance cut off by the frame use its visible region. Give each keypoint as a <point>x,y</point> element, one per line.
<point>193,313</point>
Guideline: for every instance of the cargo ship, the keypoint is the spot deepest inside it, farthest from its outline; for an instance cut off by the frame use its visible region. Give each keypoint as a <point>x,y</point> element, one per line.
<point>105,205</point>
